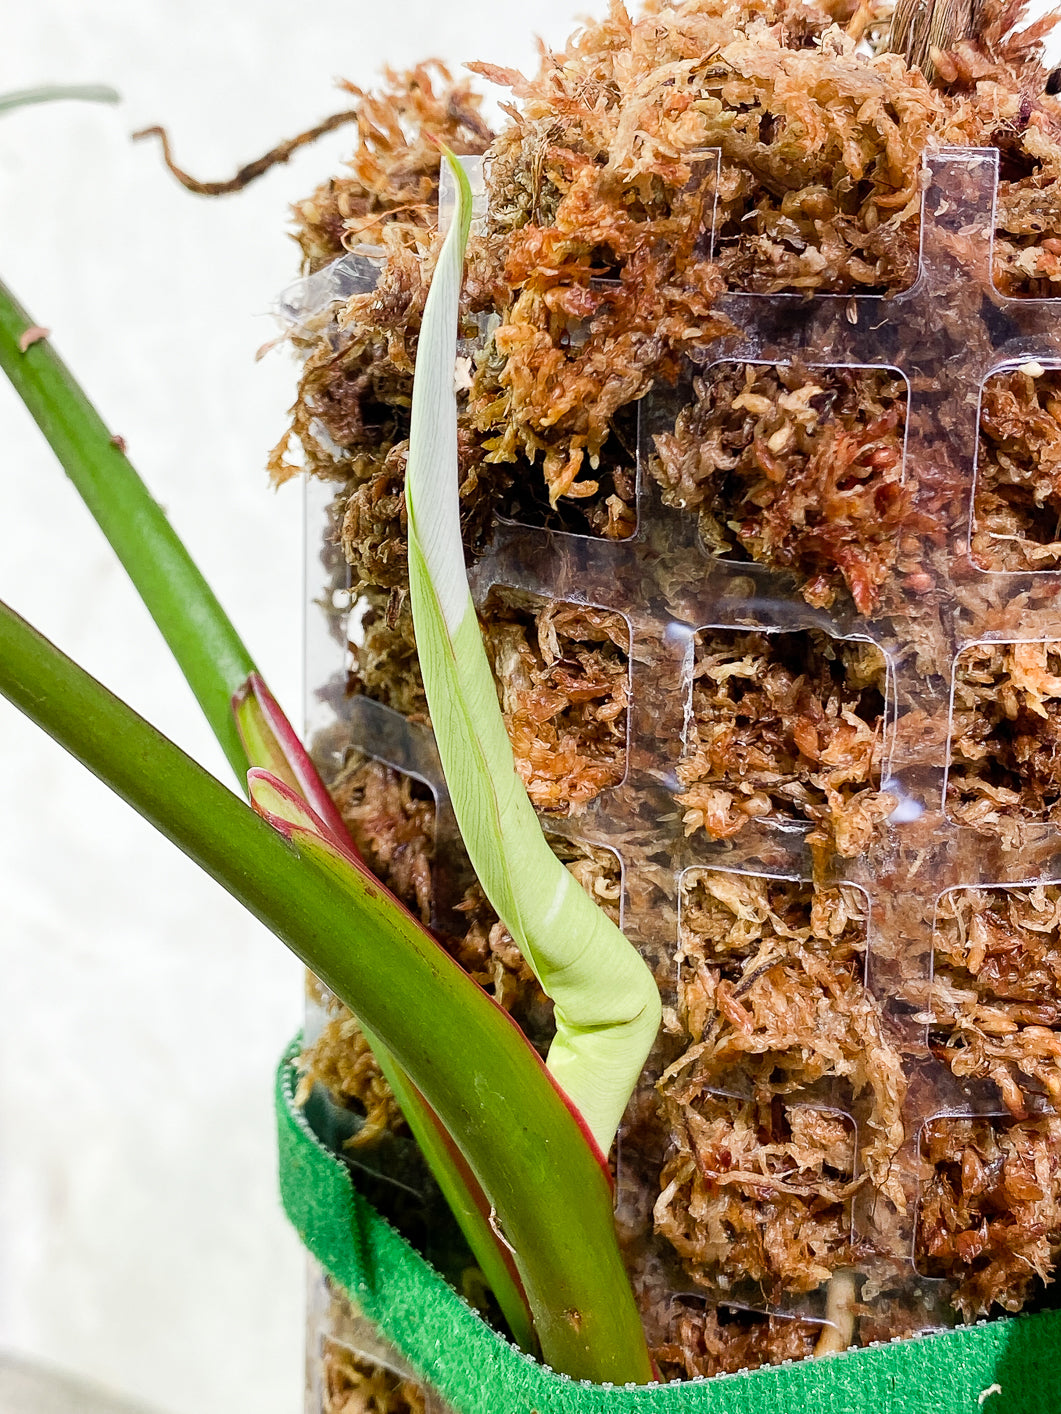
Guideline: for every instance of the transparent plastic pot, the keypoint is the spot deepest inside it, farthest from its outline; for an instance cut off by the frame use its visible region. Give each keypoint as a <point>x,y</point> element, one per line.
<point>941,341</point>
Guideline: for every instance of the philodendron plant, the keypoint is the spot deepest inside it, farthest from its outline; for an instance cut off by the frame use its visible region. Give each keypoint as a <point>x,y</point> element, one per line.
<point>519,1147</point>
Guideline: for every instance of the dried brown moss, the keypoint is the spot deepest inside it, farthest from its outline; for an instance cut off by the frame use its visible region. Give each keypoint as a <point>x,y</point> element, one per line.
<point>771,995</point>
<point>989,1214</point>
<point>603,196</point>
<point>781,1042</point>
<point>785,726</point>
<point>994,86</point>
<point>392,821</point>
<point>384,664</point>
<point>990,1210</point>
<point>812,193</point>
<point>354,1384</point>
<point>1006,728</point>
<point>597,269</point>
<point>391,187</point>
<point>1017,513</point>
<point>563,678</point>
<point>355,386</point>
<point>756,1190</point>
<point>340,1060</point>
<point>716,1342</point>
<point>996,989</point>
<point>797,468</point>
<point>603,204</point>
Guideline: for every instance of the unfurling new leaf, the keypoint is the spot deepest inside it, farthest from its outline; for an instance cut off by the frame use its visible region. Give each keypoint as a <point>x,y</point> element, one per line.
<point>606,1001</point>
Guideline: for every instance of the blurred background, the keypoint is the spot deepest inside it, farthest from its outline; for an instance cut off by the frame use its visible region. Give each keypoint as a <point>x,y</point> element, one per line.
<point>141,1013</point>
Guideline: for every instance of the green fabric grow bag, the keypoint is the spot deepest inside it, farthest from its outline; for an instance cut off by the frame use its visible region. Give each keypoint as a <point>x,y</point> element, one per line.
<point>1003,1367</point>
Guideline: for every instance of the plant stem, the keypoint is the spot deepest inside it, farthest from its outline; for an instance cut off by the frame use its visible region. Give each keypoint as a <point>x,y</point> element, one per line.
<point>465,1197</point>
<point>49,93</point>
<point>468,1058</point>
<point>217,667</point>
<point>272,745</point>
<point>207,648</point>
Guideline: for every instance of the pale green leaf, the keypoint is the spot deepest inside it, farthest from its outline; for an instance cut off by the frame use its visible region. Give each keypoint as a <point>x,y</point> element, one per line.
<point>606,1001</point>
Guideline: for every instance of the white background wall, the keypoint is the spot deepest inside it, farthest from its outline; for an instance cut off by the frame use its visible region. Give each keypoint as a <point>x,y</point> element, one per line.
<point>141,1013</point>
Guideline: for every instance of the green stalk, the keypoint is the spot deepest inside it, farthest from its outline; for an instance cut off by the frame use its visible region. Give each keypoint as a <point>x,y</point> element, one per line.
<point>222,675</point>
<point>468,1058</point>
<point>271,743</point>
<point>465,1197</point>
<point>207,648</point>
<point>50,93</point>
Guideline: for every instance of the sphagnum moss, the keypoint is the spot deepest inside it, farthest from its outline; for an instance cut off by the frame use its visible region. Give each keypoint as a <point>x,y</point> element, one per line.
<point>593,262</point>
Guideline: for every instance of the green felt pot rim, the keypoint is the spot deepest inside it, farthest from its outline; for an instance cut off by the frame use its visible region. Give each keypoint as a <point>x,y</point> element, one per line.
<point>1010,1366</point>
